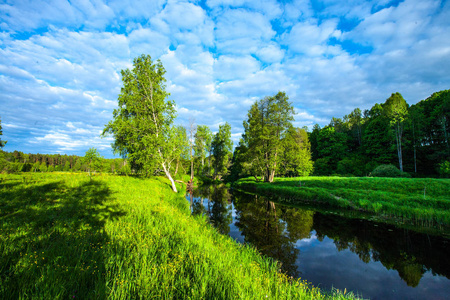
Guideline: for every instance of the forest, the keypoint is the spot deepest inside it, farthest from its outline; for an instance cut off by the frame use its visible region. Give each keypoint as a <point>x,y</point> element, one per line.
<point>413,138</point>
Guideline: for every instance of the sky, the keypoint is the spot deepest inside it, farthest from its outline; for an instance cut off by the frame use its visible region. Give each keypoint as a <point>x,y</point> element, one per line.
<point>60,61</point>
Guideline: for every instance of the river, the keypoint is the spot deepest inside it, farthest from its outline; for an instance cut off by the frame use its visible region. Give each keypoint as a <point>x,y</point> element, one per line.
<point>372,259</point>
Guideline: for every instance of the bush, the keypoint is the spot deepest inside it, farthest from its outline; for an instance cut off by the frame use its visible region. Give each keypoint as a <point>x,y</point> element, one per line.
<point>444,169</point>
<point>388,171</point>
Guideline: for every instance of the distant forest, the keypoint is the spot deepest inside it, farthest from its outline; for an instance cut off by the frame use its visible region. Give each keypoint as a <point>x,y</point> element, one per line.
<point>18,161</point>
<point>413,138</point>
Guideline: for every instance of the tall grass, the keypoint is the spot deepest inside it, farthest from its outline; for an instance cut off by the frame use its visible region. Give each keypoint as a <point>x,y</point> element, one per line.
<point>424,202</point>
<point>65,236</point>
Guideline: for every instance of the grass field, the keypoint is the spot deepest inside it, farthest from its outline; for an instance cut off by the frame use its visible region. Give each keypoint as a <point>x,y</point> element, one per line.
<point>424,202</point>
<point>63,236</point>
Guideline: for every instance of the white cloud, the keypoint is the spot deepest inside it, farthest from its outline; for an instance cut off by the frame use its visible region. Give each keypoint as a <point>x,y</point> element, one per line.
<point>232,67</point>
<point>311,38</point>
<point>270,53</point>
<point>269,8</point>
<point>240,31</point>
<point>60,62</point>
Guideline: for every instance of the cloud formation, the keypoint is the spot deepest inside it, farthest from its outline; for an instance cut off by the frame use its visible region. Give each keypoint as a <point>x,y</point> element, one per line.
<point>60,61</point>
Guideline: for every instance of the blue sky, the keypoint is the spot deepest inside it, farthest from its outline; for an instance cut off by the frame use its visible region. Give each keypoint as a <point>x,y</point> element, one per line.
<point>60,61</point>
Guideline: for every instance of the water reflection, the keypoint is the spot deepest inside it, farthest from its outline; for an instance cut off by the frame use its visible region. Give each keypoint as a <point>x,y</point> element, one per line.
<point>375,259</point>
<point>273,229</point>
<point>217,208</point>
<point>409,253</point>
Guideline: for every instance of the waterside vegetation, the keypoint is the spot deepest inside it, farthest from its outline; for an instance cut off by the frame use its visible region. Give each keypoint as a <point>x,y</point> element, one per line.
<point>424,202</point>
<point>65,236</point>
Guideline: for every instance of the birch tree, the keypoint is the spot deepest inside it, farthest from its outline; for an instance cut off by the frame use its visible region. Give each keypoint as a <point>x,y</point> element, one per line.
<point>142,124</point>
<point>396,110</point>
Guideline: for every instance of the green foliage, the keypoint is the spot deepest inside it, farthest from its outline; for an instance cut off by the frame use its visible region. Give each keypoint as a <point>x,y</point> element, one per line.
<point>222,147</point>
<point>63,236</point>
<point>378,141</point>
<point>322,167</point>
<point>2,143</point>
<point>93,160</point>
<point>142,124</point>
<point>43,167</point>
<point>396,110</point>
<point>415,138</point>
<point>444,169</point>
<point>295,157</point>
<point>387,171</point>
<point>267,121</point>
<point>66,166</point>
<point>203,145</point>
<point>351,165</point>
<point>331,145</point>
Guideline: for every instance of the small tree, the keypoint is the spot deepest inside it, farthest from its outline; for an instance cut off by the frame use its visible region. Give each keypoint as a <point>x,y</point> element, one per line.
<point>93,160</point>
<point>203,139</point>
<point>2,143</point>
<point>396,109</point>
<point>43,167</point>
<point>222,150</point>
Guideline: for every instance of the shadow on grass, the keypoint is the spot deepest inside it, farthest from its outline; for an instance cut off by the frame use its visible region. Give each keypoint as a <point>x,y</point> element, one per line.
<point>52,240</point>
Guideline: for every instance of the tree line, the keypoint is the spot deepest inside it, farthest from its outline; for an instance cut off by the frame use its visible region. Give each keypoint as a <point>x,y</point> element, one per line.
<point>143,131</point>
<point>18,161</point>
<point>413,138</point>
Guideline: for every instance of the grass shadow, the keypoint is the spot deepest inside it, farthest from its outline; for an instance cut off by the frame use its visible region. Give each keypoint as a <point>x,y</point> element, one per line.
<point>52,237</point>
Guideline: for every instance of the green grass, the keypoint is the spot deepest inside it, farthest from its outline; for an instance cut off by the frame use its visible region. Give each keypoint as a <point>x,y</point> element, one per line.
<point>64,236</point>
<point>424,202</point>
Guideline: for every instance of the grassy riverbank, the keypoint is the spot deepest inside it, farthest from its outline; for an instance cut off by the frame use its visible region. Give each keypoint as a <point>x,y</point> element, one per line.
<point>64,236</point>
<point>424,202</point>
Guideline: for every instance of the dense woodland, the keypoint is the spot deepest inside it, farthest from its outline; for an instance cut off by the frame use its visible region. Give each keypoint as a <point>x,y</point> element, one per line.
<point>414,139</point>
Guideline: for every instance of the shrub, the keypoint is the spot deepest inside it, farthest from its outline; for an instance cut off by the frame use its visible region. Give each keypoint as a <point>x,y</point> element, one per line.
<point>388,171</point>
<point>444,169</point>
<point>370,166</point>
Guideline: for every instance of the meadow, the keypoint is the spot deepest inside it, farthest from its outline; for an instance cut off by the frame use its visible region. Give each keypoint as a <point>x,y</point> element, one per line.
<point>423,202</point>
<point>65,236</point>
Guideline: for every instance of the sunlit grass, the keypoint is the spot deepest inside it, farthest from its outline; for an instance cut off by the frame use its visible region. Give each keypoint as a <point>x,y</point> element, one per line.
<point>65,236</point>
<point>424,202</point>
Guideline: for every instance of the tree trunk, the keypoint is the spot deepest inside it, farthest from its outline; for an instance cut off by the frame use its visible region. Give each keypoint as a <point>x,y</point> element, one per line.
<point>444,125</point>
<point>166,171</point>
<point>398,136</point>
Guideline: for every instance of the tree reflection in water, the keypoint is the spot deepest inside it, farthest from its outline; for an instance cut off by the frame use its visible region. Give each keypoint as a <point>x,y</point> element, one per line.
<point>275,230</point>
<point>218,208</point>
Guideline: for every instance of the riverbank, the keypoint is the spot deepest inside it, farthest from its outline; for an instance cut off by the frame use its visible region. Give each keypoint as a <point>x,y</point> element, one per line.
<point>423,202</point>
<point>65,236</point>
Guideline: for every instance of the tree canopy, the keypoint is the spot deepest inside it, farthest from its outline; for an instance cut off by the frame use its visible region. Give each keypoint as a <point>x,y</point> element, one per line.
<point>414,138</point>
<point>264,130</point>
<point>222,147</point>
<point>142,124</point>
<point>93,160</point>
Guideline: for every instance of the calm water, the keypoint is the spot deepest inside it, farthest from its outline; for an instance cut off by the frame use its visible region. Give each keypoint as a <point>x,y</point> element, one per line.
<point>375,260</point>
